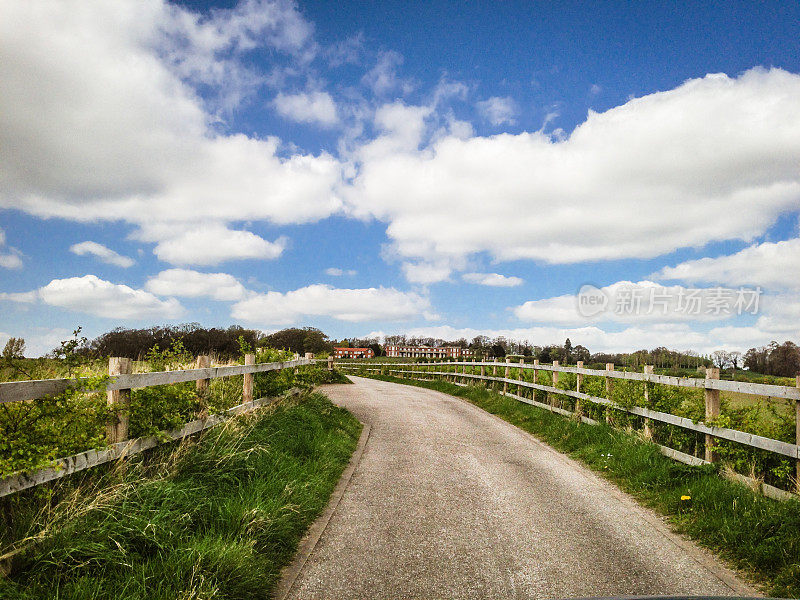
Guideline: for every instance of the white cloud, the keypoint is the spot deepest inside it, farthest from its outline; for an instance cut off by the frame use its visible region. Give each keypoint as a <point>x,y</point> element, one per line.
<point>193,284</point>
<point>99,119</point>
<point>106,255</point>
<point>497,110</point>
<point>771,264</point>
<point>353,305</point>
<point>12,260</point>
<point>595,89</point>
<point>714,159</point>
<point>313,107</point>
<point>21,297</point>
<point>92,295</point>
<point>383,79</point>
<point>212,244</point>
<point>492,279</point>
<point>643,301</point>
<point>425,273</point>
<point>336,272</point>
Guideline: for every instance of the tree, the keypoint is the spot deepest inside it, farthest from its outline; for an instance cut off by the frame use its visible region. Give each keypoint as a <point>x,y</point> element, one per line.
<point>567,351</point>
<point>14,348</point>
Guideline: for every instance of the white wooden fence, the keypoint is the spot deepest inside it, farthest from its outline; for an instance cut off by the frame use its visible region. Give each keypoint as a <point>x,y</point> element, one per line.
<point>118,389</point>
<point>461,372</point>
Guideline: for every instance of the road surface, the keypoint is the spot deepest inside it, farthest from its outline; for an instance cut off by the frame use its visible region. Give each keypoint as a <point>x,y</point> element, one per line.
<point>448,501</point>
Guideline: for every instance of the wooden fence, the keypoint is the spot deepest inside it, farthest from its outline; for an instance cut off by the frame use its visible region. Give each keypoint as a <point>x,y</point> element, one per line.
<point>118,388</point>
<point>461,372</point>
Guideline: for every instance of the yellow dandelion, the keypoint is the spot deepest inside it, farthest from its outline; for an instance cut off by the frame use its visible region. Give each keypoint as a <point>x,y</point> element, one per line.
<point>686,497</point>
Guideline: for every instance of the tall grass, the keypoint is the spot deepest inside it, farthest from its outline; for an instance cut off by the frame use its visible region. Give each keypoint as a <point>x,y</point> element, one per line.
<point>756,534</point>
<point>215,517</point>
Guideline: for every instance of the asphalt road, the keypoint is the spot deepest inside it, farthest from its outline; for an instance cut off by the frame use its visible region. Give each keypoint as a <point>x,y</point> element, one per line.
<point>448,501</point>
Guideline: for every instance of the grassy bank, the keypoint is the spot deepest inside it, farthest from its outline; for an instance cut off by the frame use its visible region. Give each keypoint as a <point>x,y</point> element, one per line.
<point>756,534</point>
<point>216,516</point>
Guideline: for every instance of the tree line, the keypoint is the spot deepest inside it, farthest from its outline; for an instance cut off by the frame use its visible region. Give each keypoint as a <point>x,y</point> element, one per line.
<point>225,343</point>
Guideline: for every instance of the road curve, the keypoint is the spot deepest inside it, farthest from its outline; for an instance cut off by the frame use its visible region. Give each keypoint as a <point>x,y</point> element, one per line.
<point>448,501</point>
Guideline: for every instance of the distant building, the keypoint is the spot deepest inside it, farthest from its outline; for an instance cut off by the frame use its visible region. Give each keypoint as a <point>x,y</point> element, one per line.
<point>353,353</point>
<point>428,352</point>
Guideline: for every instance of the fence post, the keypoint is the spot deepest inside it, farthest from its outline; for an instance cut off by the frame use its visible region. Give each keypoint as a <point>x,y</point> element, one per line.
<point>578,386</point>
<point>521,375</point>
<point>247,389</point>
<point>609,391</point>
<point>119,401</point>
<point>551,399</point>
<point>648,370</point>
<point>712,412</point>
<point>507,376</point>
<point>494,372</point>
<point>483,374</point>
<point>203,362</point>
<point>797,432</point>
<point>330,363</point>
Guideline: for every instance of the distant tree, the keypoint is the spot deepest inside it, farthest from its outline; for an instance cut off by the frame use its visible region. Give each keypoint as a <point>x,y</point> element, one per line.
<point>567,351</point>
<point>498,350</point>
<point>581,353</point>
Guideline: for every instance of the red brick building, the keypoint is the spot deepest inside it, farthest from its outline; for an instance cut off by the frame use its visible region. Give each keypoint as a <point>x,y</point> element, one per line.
<point>353,353</point>
<point>428,352</point>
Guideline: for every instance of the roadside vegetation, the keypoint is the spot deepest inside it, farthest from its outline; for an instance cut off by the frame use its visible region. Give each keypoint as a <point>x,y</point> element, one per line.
<point>755,534</point>
<point>214,516</point>
<point>35,433</point>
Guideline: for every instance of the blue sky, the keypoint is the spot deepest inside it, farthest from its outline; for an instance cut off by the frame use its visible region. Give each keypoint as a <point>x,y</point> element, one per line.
<point>375,168</point>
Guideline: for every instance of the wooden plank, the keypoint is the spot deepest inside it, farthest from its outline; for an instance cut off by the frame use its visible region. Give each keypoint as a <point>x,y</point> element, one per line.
<point>753,440</point>
<point>687,459</point>
<point>741,437</point>
<point>16,391</point>
<point>92,458</point>
<point>743,387</point>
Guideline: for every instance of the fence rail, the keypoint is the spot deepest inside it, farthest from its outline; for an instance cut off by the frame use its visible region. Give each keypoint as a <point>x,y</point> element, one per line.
<point>118,388</point>
<point>711,384</point>
<point>16,391</point>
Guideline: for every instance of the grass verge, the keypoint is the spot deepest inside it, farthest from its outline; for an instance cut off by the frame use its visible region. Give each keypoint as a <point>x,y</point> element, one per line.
<point>757,535</point>
<point>212,517</point>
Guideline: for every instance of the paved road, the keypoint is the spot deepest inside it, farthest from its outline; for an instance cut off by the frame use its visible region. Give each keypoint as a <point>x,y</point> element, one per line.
<point>448,501</point>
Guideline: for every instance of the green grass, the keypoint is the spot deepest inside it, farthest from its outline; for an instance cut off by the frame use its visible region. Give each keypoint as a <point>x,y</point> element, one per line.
<point>213,517</point>
<point>757,535</point>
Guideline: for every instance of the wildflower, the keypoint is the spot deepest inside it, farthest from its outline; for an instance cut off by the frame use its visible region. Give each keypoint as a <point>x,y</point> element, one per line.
<point>684,498</point>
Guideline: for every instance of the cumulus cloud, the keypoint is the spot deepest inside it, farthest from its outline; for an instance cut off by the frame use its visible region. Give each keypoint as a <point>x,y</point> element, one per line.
<point>21,297</point>
<point>313,107</point>
<point>643,301</point>
<point>425,273</point>
<point>771,264</point>
<point>353,305</point>
<point>94,296</point>
<point>104,254</point>
<point>713,159</point>
<point>12,260</point>
<point>383,77</point>
<point>337,272</point>
<point>213,244</point>
<point>100,119</point>
<point>497,110</point>
<point>492,279</point>
<point>193,284</point>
